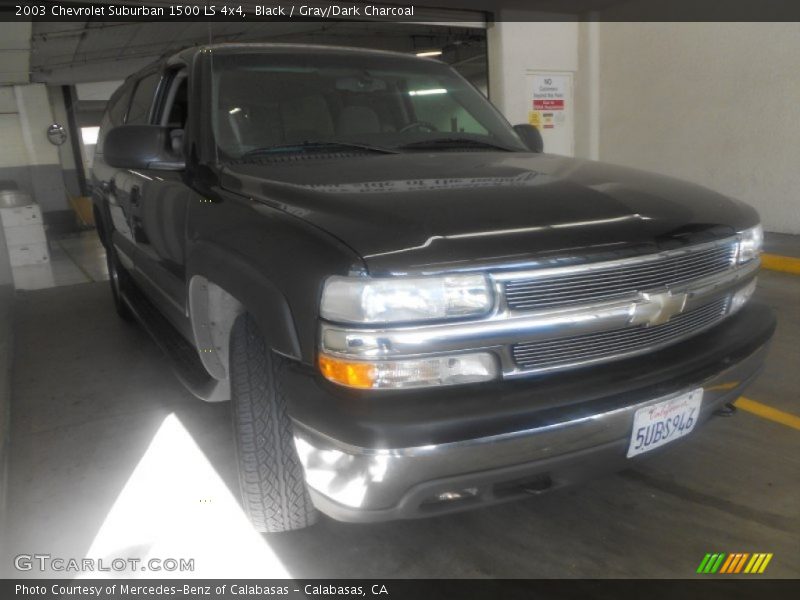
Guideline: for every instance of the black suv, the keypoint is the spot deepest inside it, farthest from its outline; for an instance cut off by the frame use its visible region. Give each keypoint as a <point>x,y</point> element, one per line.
<point>413,309</point>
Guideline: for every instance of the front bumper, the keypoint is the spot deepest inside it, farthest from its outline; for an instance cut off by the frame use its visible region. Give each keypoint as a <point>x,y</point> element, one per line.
<point>353,482</point>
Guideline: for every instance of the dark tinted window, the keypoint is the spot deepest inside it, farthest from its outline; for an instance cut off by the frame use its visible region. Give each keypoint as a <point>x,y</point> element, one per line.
<point>143,99</point>
<point>114,115</point>
<point>180,106</point>
<point>118,106</point>
<point>175,107</point>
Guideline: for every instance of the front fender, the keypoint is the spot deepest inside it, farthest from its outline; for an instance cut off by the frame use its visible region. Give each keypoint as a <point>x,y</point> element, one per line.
<point>251,290</point>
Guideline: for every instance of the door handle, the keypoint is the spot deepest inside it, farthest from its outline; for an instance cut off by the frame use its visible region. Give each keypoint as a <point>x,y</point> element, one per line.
<point>135,196</point>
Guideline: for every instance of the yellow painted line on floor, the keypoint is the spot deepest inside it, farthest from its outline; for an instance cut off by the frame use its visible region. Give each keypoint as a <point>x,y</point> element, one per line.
<point>767,412</point>
<point>784,264</point>
<point>722,387</point>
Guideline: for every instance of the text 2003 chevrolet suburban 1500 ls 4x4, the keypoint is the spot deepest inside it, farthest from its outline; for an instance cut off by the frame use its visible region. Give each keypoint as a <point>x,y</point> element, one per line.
<point>412,308</point>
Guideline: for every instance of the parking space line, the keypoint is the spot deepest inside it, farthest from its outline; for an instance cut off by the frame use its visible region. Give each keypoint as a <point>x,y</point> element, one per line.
<point>768,412</point>
<point>785,264</point>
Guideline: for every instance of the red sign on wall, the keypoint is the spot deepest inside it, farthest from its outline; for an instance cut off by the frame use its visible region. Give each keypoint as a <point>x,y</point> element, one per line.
<point>548,104</point>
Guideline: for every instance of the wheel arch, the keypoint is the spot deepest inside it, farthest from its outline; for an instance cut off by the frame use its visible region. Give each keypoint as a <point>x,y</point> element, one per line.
<point>221,287</point>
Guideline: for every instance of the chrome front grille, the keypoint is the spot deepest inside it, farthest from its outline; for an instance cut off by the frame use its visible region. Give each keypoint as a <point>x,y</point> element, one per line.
<point>603,282</point>
<point>552,354</point>
<point>562,317</point>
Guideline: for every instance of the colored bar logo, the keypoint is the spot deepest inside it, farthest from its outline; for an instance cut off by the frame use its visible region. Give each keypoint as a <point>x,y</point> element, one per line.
<point>737,562</point>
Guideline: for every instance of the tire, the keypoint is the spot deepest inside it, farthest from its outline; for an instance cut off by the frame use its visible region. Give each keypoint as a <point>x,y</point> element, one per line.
<point>271,478</point>
<point>118,278</point>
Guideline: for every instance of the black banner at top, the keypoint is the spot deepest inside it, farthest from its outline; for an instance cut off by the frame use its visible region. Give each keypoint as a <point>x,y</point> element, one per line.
<point>451,11</point>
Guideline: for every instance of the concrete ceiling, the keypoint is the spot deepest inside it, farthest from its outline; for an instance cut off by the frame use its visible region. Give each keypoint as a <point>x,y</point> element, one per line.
<point>65,53</point>
<point>94,50</point>
<point>15,42</point>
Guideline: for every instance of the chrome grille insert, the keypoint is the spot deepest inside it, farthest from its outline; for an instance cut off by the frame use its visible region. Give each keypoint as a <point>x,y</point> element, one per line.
<point>619,279</point>
<point>552,354</point>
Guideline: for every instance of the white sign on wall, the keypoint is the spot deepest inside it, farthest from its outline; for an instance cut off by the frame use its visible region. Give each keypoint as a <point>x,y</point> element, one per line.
<point>551,110</point>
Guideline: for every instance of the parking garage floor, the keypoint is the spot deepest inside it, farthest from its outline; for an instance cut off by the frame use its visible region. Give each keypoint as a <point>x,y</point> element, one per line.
<point>111,457</point>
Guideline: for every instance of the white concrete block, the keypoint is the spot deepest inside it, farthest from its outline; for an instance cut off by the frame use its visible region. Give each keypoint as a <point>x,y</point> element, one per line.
<point>25,234</point>
<point>28,254</point>
<point>21,215</point>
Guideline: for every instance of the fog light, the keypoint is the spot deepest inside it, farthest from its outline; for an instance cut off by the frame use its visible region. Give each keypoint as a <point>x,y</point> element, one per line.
<point>456,495</point>
<point>394,374</point>
<point>450,496</point>
<point>741,297</point>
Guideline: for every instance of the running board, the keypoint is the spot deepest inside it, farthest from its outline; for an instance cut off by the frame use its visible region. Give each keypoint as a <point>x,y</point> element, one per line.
<point>182,355</point>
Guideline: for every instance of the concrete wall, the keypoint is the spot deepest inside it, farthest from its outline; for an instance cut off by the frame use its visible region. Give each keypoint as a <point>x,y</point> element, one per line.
<point>26,156</point>
<point>714,103</point>
<point>14,47</point>
<point>6,344</point>
<point>517,48</point>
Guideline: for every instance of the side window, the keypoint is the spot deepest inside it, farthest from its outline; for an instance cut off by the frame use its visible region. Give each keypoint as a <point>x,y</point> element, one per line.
<point>119,106</point>
<point>114,115</point>
<point>142,99</point>
<point>176,106</point>
<point>175,111</point>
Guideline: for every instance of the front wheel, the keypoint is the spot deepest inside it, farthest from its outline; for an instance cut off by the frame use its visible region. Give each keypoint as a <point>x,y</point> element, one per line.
<point>274,493</point>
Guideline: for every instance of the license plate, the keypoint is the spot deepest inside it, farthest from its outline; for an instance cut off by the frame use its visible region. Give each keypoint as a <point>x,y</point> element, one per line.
<point>664,422</point>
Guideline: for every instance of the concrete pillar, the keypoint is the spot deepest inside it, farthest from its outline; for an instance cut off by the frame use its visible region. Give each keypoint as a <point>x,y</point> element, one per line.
<point>33,161</point>
<point>587,102</point>
<point>517,49</point>
<point>27,159</point>
<point>69,170</point>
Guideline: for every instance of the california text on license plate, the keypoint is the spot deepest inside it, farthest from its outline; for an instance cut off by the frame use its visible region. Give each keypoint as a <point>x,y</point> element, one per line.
<point>664,422</point>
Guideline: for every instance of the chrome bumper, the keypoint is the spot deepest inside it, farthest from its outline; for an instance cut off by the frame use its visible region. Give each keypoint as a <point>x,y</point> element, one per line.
<point>365,484</point>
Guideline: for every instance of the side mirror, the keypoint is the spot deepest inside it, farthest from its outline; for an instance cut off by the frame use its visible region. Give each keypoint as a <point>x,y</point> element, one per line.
<point>530,136</point>
<point>141,147</point>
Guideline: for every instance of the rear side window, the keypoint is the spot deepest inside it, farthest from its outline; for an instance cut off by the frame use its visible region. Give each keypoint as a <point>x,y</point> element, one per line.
<point>115,114</point>
<point>142,100</point>
<point>118,107</point>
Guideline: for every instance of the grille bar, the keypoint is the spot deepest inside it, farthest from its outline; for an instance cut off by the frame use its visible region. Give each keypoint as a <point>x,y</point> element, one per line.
<point>652,265</point>
<point>618,280</point>
<point>608,345</point>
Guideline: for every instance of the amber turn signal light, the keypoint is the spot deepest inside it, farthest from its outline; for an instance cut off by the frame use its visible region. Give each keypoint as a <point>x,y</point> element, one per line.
<point>406,373</point>
<point>349,373</point>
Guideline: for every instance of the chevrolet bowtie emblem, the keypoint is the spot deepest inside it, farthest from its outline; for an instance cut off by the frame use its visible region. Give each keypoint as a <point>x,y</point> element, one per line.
<point>657,308</point>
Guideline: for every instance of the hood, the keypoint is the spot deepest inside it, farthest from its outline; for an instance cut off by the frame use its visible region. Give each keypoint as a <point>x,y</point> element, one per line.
<point>426,212</point>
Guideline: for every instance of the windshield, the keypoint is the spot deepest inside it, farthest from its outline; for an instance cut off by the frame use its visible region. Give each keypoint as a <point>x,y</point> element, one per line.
<point>267,102</point>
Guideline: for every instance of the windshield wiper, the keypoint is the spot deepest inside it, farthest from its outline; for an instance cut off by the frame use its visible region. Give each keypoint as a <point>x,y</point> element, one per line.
<point>454,142</point>
<point>311,146</point>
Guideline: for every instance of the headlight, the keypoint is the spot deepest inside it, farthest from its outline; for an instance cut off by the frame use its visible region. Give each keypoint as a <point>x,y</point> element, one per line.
<point>398,299</point>
<point>750,243</point>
